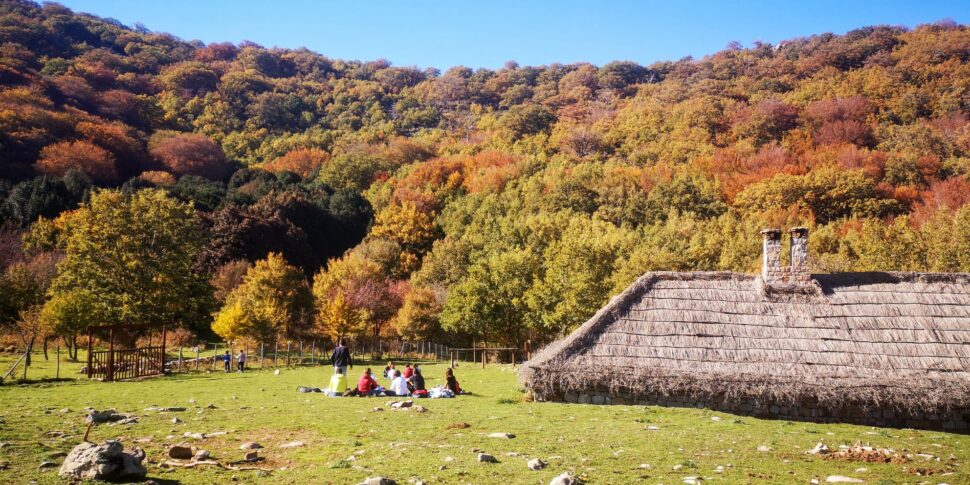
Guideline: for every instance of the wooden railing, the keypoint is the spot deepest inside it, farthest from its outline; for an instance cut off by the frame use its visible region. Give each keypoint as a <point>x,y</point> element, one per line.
<point>117,364</point>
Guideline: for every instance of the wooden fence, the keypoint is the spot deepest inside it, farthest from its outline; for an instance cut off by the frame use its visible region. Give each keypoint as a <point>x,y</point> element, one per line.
<point>116,364</point>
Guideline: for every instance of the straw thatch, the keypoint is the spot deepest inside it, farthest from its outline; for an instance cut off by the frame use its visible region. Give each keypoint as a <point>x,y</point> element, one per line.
<point>896,341</point>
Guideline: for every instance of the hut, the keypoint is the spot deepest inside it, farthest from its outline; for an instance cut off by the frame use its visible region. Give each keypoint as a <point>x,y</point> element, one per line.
<point>878,348</point>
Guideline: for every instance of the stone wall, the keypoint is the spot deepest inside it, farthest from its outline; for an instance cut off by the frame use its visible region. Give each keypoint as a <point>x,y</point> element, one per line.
<point>957,421</point>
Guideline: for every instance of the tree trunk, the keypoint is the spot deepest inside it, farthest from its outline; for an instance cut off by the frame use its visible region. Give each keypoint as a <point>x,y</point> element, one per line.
<point>46,339</point>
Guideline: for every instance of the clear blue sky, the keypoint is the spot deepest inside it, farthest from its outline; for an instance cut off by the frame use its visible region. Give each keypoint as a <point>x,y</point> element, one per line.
<point>489,32</point>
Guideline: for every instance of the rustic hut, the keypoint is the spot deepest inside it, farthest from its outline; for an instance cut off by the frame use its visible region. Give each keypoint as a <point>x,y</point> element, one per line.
<point>876,348</point>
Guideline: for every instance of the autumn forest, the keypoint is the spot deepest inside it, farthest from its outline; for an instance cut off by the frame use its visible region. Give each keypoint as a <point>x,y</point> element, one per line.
<point>246,192</point>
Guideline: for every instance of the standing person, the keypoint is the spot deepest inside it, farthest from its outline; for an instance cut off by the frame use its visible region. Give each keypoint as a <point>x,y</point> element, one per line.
<point>227,361</point>
<point>241,360</point>
<point>340,358</point>
<point>367,386</point>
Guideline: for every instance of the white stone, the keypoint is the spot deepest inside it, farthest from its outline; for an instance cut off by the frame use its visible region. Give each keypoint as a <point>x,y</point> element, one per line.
<point>842,479</point>
<point>536,464</point>
<point>565,478</point>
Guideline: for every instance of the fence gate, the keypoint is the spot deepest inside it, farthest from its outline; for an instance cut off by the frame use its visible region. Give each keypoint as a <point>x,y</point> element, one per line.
<point>124,359</point>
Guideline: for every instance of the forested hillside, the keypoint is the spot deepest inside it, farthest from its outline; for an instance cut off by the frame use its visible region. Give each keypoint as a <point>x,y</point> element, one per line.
<point>347,198</point>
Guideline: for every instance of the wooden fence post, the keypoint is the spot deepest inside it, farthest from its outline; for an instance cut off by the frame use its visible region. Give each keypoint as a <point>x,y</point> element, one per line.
<point>483,358</point>
<point>262,350</point>
<point>313,352</point>
<point>301,353</point>
<point>276,354</point>
<point>57,374</point>
<point>198,356</point>
<point>287,353</point>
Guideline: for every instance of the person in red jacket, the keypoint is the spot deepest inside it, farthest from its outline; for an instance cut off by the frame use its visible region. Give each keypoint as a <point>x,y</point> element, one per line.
<point>367,386</point>
<point>408,371</point>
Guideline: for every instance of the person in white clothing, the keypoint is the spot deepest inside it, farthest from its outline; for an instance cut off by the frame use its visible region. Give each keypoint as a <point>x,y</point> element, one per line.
<point>399,385</point>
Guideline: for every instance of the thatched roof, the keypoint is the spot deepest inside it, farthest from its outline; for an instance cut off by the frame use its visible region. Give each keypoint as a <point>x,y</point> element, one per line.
<point>884,340</point>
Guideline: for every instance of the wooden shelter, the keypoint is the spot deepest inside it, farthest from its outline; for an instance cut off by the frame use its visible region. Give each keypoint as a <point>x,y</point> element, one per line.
<point>878,348</point>
<point>124,359</point>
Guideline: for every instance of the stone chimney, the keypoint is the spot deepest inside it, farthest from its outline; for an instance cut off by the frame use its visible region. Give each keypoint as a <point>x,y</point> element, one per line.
<point>771,270</point>
<point>800,273</point>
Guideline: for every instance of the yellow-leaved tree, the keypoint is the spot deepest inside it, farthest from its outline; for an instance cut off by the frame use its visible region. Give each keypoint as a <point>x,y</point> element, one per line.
<point>273,300</point>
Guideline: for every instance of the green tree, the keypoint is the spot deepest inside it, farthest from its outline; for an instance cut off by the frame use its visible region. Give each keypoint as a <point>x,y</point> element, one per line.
<point>133,256</point>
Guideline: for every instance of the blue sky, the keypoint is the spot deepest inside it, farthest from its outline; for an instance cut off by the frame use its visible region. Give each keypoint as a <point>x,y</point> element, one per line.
<point>489,33</point>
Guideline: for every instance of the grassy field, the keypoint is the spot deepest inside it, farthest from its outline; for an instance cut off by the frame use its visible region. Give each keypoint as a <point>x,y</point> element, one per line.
<point>345,441</point>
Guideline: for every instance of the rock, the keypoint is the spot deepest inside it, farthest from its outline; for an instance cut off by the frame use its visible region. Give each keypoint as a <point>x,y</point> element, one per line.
<point>645,466</point>
<point>536,464</point>
<point>378,481</point>
<point>195,436</point>
<point>293,444</point>
<point>252,456</point>
<point>65,411</point>
<point>819,449</point>
<point>719,469</point>
<point>106,461</point>
<point>861,470</point>
<point>176,420</point>
<point>653,428</point>
<point>486,458</point>
<point>842,479</point>
<point>376,409</point>
<point>180,452</point>
<point>106,416</point>
<point>308,389</point>
<point>402,404</point>
<point>419,409</point>
<point>47,464</point>
<point>764,449</point>
<point>678,467</point>
<point>506,436</point>
<point>449,459</point>
<point>211,406</point>
<point>692,480</point>
<point>564,479</point>
<point>171,409</point>
<point>276,372</point>
<point>201,455</point>
<point>129,420</point>
<point>57,454</point>
<point>715,418</point>
<point>250,445</point>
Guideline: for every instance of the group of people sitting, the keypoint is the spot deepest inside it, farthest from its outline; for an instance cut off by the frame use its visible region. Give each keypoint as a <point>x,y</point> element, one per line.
<point>410,382</point>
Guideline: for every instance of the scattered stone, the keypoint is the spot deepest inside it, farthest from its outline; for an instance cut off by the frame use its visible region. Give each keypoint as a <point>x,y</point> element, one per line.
<point>216,433</point>
<point>861,470</point>
<point>819,449</point>
<point>201,455</point>
<point>419,409</point>
<point>171,409</point>
<point>252,456</point>
<point>719,469</point>
<point>842,479</point>
<point>65,411</point>
<point>715,418</point>
<point>376,409</point>
<point>653,428</point>
<point>486,458</point>
<point>536,464</point>
<point>180,452</point>
<point>176,420</point>
<point>276,372</point>
<point>195,436</point>
<point>678,467</point>
<point>211,406</point>
<point>47,464</point>
<point>129,420</point>
<point>764,449</point>
<point>645,466</point>
<point>250,445</point>
<point>506,436</point>
<point>293,444</point>
<point>401,404</point>
<point>692,480</point>
<point>57,454</point>
<point>449,459</point>
<point>378,481</point>
<point>564,479</point>
<point>106,416</point>
<point>107,461</point>
<point>305,389</point>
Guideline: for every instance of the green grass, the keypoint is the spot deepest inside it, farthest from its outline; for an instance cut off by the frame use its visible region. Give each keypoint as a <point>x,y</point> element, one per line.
<point>346,441</point>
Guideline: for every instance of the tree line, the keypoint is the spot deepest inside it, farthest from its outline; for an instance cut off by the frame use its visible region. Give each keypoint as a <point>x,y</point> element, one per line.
<point>335,197</point>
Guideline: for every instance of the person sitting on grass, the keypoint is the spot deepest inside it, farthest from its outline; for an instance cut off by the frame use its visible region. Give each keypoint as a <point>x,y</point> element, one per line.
<point>416,382</point>
<point>388,369</point>
<point>451,383</point>
<point>338,384</point>
<point>408,371</point>
<point>399,385</point>
<point>367,386</point>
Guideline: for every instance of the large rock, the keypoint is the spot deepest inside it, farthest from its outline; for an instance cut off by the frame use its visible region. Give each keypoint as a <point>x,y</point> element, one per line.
<point>486,458</point>
<point>564,479</point>
<point>536,464</point>
<point>106,416</point>
<point>180,452</point>
<point>107,461</point>
<point>378,481</point>
<point>506,436</point>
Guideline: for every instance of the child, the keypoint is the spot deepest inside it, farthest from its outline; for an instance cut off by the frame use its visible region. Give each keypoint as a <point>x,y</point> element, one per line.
<point>399,385</point>
<point>241,360</point>
<point>388,369</point>
<point>227,361</point>
<point>338,384</point>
